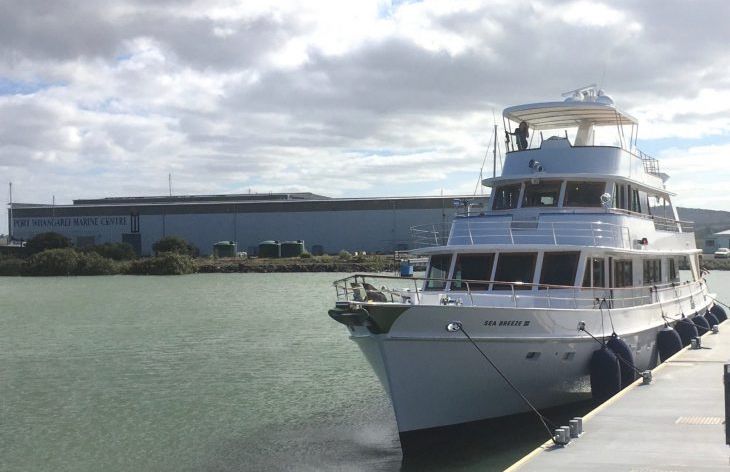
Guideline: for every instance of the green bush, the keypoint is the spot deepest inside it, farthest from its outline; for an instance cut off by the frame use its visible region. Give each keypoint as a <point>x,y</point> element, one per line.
<point>94,264</point>
<point>43,241</point>
<point>305,255</point>
<point>166,263</point>
<point>12,266</point>
<point>54,262</point>
<point>344,255</point>
<point>116,251</point>
<point>174,244</point>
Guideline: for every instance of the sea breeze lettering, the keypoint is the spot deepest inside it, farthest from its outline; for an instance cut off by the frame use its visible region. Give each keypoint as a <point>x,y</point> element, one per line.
<point>77,222</point>
<point>522,323</point>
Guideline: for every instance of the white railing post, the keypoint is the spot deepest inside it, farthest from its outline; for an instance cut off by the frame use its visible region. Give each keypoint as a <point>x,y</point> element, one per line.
<point>514,298</point>
<point>547,292</point>
<point>555,239</point>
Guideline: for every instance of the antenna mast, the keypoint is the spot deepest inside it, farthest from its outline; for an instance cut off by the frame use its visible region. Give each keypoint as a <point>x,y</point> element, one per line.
<point>10,213</point>
<point>169,182</point>
<point>494,164</point>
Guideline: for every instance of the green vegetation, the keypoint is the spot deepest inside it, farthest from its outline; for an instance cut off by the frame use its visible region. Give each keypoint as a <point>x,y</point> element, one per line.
<point>174,244</point>
<point>115,251</point>
<point>44,241</point>
<point>167,263</point>
<point>344,255</point>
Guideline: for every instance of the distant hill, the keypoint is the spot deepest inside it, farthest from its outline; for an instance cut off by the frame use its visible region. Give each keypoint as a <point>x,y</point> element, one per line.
<point>706,221</point>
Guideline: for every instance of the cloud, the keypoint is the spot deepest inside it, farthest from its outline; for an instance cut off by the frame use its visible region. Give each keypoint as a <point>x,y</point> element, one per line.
<point>351,99</point>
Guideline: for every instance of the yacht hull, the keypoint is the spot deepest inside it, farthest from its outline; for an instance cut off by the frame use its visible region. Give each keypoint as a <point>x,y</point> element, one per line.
<point>438,378</point>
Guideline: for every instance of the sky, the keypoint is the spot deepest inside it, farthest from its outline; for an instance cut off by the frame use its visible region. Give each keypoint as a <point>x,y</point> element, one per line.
<point>344,99</point>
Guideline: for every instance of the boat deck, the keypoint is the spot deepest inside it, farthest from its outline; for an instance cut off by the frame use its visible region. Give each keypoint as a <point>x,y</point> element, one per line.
<point>675,423</point>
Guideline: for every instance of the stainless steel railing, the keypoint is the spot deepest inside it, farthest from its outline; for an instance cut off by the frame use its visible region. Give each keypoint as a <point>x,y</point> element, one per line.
<point>363,288</point>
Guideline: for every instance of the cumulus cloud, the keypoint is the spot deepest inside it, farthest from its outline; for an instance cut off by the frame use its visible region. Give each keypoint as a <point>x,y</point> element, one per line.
<point>350,99</point>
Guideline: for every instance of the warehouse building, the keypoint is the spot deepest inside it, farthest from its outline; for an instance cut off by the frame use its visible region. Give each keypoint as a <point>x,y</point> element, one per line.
<point>326,225</point>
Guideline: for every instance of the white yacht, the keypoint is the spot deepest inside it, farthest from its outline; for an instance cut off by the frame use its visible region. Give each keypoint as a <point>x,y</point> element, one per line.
<point>579,231</point>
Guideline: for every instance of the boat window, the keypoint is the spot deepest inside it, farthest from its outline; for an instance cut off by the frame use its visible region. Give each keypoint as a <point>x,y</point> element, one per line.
<point>652,271</point>
<point>506,197</point>
<point>623,273</point>
<point>594,274</point>
<point>476,267</point>
<point>559,268</point>
<point>584,194</point>
<point>542,194</point>
<point>673,272</point>
<point>635,205</point>
<point>644,202</point>
<point>619,197</point>
<point>438,271</point>
<point>515,267</point>
<point>686,274</point>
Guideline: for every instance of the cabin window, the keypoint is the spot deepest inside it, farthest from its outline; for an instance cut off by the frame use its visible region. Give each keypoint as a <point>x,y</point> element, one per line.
<point>475,268</point>
<point>584,194</point>
<point>542,194</point>
<point>623,273</point>
<point>635,205</point>
<point>594,275</point>
<point>687,274</point>
<point>652,271</point>
<point>644,202</point>
<point>515,267</point>
<point>559,268</point>
<point>619,197</point>
<point>438,272</point>
<point>506,197</point>
<point>673,272</point>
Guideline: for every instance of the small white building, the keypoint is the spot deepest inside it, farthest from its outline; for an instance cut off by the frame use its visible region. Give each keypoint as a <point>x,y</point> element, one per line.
<point>716,241</point>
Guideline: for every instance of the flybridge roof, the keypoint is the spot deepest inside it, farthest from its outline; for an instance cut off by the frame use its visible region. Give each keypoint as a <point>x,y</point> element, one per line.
<point>568,114</point>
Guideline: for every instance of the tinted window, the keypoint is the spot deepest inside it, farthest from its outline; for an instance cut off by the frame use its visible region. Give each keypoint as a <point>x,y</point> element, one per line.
<point>594,275</point>
<point>472,267</point>
<point>623,274</point>
<point>541,195</point>
<point>506,197</point>
<point>558,268</point>
<point>438,271</point>
<point>584,194</point>
<point>519,267</point>
<point>652,271</point>
<point>673,272</point>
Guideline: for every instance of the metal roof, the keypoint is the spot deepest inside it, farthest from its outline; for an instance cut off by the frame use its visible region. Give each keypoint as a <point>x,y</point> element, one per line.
<point>551,115</point>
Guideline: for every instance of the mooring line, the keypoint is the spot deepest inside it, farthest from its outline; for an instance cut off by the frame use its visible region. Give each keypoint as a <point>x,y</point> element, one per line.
<point>543,419</point>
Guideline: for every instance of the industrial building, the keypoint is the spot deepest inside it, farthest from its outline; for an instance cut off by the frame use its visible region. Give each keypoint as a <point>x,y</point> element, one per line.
<point>327,225</point>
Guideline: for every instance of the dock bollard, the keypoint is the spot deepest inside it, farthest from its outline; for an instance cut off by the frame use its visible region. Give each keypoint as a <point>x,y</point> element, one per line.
<point>562,436</point>
<point>696,343</point>
<point>726,382</point>
<point>715,329</point>
<point>574,428</point>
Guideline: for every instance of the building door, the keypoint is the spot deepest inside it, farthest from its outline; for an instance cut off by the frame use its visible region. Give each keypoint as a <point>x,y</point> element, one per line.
<point>134,240</point>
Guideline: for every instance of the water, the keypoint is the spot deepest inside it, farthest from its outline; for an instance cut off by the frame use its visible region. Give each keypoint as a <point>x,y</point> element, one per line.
<point>214,372</point>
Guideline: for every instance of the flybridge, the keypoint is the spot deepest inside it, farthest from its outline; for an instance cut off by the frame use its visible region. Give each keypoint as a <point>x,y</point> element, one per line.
<point>587,117</point>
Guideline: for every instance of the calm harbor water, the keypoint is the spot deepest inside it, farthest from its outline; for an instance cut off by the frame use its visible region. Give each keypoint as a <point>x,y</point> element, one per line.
<point>214,372</point>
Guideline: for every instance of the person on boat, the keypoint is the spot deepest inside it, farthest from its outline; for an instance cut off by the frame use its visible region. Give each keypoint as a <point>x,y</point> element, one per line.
<point>522,132</point>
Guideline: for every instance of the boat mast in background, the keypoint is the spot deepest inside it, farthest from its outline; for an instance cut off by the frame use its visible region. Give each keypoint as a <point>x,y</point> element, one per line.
<point>10,212</point>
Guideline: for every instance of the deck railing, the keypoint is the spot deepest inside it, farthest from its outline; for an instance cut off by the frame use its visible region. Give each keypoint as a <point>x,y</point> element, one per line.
<point>364,288</point>
<point>469,231</point>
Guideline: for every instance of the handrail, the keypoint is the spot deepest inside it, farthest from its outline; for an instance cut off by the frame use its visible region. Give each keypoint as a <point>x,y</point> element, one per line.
<point>470,232</point>
<point>621,297</point>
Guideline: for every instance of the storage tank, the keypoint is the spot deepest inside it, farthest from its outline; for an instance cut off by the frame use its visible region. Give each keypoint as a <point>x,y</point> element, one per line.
<point>225,249</point>
<point>292,248</point>
<point>270,249</point>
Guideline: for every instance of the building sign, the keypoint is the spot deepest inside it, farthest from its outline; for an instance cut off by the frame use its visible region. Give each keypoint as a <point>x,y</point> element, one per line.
<point>74,222</point>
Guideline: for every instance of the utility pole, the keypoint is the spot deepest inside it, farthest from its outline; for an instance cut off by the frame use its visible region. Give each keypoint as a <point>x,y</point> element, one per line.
<point>169,182</point>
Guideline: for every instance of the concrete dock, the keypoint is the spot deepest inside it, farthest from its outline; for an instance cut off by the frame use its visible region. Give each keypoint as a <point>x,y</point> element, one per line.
<point>674,424</point>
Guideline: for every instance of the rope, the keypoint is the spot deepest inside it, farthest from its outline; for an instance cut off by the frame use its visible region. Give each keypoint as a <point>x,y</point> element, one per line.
<point>610,318</point>
<point>544,420</point>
